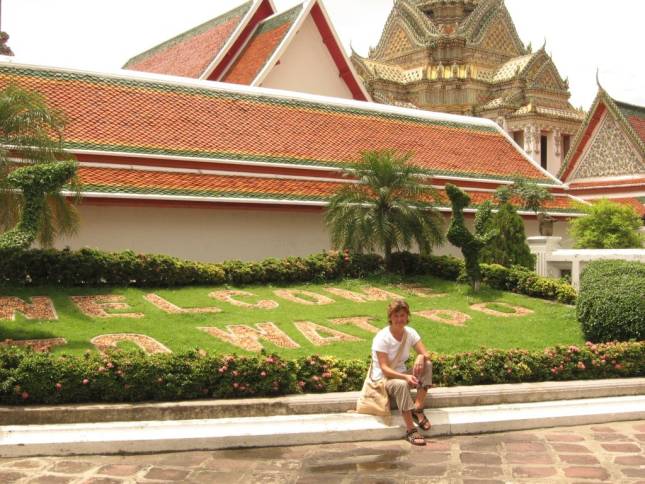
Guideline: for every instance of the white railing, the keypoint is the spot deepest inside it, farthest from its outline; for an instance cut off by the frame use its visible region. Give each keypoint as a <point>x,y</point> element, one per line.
<point>553,261</point>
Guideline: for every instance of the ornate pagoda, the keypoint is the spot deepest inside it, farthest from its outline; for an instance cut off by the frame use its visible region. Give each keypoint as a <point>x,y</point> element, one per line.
<point>465,57</point>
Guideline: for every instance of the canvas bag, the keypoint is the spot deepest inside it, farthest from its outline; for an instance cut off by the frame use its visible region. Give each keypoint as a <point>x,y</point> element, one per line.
<point>374,399</point>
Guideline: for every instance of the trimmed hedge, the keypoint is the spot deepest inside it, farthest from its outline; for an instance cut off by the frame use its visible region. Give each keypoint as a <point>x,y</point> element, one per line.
<point>88,267</point>
<point>41,378</point>
<point>516,279</point>
<point>611,304</point>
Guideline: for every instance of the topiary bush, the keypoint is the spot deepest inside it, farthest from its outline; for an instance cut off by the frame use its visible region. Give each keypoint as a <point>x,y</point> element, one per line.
<point>611,303</point>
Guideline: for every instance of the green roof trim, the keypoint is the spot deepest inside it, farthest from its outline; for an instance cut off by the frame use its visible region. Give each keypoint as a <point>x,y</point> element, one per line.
<point>629,110</point>
<point>225,17</point>
<point>276,21</point>
<point>221,156</point>
<point>244,195</point>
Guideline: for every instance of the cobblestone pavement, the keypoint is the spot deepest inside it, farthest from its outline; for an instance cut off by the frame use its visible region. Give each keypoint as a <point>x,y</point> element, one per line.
<point>595,453</point>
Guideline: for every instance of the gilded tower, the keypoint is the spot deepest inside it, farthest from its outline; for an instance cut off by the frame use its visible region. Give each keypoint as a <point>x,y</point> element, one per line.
<point>465,57</point>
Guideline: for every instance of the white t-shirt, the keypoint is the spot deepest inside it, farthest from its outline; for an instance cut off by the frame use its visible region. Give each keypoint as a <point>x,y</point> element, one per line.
<point>384,342</point>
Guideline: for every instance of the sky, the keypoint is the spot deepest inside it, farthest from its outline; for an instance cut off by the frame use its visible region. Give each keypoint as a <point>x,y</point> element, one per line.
<point>581,35</point>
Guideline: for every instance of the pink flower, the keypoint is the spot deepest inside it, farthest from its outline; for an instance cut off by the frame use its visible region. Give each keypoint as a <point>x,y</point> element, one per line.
<point>270,360</point>
<point>25,395</point>
<point>618,366</point>
<point>581,365</point>
<point>85,381</point>
<point>222,369</point>
<point>236,385</point>
<point>554,371</point>
<point>235,373</point>
<point>110,365</point>
<point>59,387</point>
<point>101,369</point>
<point>263,374</point>
<point>315,378</point>
<point>159,380</point>
<point>326,375</point>
<point>301,384</point>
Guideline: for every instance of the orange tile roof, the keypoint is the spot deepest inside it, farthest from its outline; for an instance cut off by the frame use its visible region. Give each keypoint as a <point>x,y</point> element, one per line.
<point>261,47</point>
<point>154,117</point>
<point>607,183</point>
<point>635,116</point>
<point>189,54</point>
<point>637,202</point>
<point>107,180</point>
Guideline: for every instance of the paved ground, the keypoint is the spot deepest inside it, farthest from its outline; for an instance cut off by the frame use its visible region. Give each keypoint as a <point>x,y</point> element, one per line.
<point>596,453</point>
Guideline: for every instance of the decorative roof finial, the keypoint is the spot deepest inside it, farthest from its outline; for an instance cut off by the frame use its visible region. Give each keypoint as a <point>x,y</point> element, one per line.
<point>529,48</point>
<point>598,79</point>
<point>544,45</point>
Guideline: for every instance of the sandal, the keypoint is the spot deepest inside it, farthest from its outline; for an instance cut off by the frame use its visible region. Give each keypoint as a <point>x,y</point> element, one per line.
<point>420,419</point>
<point>415,438</point>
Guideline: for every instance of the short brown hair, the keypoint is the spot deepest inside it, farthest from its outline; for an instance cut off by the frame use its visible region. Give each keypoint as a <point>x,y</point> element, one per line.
<point>397,305</point>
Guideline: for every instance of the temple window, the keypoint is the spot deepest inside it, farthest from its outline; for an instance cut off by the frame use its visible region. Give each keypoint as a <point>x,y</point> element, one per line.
<point>566,144</point>
<point>518,137</point>
<point>544,154</point>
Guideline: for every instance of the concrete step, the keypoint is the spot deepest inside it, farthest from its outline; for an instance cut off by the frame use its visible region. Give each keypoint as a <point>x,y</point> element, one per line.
<point>213,434</point>
<point>441,397</point>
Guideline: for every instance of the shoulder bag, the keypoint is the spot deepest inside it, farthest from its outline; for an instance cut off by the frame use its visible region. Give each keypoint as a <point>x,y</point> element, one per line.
<point>374,399</point>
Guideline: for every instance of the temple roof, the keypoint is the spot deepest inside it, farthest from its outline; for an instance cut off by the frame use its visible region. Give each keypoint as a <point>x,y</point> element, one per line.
<point>134,114</point>
<point>190,53</point>
<point>263,44</point>
<point>198,185</point>
<point>635,116</point>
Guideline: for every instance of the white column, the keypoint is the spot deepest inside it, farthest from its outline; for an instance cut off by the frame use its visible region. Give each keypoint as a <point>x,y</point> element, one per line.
<point>542,247</point>
<point>575,273</point>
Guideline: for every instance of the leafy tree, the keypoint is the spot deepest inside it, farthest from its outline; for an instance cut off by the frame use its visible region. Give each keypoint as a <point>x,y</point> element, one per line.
<point>507,246</point>
<point>460,236</point>
<point>389,208</point>
<point>607,225</point>
<point>533,197</point>
<point>32,132</point>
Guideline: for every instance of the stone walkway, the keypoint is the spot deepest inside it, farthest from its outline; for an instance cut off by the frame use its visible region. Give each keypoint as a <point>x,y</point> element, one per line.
<point>596,453</point>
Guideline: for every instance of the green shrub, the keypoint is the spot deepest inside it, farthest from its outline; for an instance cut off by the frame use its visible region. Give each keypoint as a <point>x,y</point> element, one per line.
<point>607,225</point>
<point>120,376</point>
<point>520,280</point>
<point>88,267</point>
<point>611,304</point>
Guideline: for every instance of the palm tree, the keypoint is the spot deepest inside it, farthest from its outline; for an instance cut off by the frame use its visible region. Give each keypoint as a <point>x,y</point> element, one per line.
<point>387,208</point>
<point>31,131</point>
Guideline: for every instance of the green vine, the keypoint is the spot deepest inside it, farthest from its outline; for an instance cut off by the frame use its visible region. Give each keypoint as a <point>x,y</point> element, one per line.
<point>35,182</point>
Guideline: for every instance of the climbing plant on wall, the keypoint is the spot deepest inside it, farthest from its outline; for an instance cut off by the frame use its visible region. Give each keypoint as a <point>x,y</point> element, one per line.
<point>35,182</point>
<point>32,131</point>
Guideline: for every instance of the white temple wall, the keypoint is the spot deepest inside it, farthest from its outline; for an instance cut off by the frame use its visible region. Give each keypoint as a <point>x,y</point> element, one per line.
<point>307,66</point>
<point>215,235</point>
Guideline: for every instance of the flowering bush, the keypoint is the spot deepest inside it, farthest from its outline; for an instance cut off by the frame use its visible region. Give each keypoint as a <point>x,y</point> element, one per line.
<point>36,378</point>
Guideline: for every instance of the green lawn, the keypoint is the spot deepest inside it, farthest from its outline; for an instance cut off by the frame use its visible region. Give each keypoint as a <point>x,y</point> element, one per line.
<point>548,325</point>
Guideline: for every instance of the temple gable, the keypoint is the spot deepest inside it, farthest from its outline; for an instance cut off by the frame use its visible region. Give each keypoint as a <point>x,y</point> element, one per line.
<point>547,77</point>
<point>499,38</point>
<point>609,154</point>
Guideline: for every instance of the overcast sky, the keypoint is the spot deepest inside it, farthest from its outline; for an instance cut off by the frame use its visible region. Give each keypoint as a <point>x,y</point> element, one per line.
<point>102,34</point>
